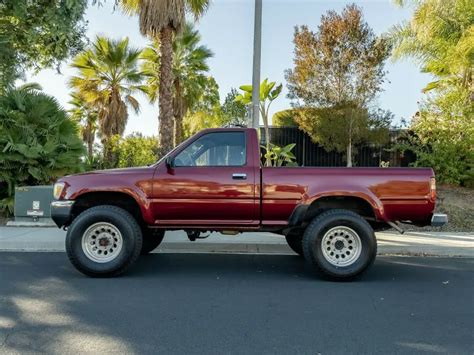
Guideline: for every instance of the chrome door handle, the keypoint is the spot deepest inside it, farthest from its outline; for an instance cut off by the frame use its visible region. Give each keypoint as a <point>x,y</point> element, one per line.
<point>239,176</point>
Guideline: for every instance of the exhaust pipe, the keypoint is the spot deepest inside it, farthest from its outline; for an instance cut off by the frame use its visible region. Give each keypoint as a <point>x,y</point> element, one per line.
<point>396,227</point>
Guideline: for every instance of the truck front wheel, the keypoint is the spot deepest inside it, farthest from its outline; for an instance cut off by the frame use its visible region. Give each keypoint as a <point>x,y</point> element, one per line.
<point>339,244</point>
<point>103,241</point>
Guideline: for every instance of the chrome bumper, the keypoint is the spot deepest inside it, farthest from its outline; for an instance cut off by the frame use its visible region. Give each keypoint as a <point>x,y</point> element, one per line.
<point>439,219</point>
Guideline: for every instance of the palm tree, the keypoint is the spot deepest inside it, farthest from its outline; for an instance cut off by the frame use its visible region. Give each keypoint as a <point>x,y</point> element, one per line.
<point>108,77</point>
<point>189,69</point>
<point>86,116</point>
<point>160,20</point>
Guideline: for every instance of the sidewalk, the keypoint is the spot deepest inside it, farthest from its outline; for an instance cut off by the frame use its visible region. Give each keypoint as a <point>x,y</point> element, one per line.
<point>419,243</point>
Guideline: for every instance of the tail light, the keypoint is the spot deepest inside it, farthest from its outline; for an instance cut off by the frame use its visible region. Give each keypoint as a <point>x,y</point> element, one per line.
<point>433,189</point>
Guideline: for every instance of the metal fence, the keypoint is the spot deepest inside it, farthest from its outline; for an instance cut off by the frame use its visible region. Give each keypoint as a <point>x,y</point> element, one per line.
<point>309,153</point>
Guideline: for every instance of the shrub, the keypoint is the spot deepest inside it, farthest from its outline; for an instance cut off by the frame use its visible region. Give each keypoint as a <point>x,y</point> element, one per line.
<point>133,150</point>
<point>38,141</point>
<point>444,137</point>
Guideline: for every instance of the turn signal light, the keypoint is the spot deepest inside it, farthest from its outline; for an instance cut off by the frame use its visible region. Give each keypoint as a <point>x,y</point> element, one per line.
<point>433,189</point>
<point>57,190</point>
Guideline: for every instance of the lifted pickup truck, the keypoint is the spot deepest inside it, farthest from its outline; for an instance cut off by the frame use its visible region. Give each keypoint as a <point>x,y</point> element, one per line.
<point>214,181</point>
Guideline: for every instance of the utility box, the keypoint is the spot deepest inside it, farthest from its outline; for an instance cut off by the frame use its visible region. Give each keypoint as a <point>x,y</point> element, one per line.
<point>33,205</point>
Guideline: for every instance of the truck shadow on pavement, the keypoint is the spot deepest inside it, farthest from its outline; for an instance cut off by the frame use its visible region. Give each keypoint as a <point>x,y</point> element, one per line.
<point>385,268</point>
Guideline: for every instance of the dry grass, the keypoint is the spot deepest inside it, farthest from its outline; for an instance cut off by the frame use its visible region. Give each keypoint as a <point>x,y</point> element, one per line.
<point>458,204</point>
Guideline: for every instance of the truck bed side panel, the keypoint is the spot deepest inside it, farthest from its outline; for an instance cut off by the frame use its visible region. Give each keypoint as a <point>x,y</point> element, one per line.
<point>393,193</point>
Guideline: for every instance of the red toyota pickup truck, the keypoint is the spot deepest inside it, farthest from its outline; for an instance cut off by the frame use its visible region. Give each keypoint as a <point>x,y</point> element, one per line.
<point>214,181</point>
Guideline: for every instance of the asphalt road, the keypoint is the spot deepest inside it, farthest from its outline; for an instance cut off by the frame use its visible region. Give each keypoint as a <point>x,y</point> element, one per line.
<point>238,304</point>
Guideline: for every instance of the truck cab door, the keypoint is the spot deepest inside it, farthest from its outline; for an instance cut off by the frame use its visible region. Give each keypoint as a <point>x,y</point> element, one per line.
<point>210,181</point>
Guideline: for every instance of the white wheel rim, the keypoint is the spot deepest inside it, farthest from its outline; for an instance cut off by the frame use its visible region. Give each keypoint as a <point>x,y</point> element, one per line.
<point>102,242</point>
<point>341,246</point>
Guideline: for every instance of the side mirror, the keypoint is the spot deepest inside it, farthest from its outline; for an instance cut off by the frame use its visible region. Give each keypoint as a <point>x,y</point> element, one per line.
<point>169,162</point>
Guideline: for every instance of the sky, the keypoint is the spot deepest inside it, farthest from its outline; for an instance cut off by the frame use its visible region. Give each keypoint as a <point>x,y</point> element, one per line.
<point>227,29</point>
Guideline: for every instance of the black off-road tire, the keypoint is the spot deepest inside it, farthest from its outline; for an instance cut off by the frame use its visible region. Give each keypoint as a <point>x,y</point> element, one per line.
<point>295,242</point>
<point>130,232</point>
<point>152,237</point>
<point>321,226</point>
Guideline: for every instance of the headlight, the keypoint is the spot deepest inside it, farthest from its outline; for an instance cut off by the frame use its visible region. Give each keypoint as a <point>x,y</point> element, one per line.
<point>57,190</point>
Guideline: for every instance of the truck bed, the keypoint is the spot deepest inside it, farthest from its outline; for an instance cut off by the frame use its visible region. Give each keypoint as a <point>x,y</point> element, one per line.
<point>392,192</point>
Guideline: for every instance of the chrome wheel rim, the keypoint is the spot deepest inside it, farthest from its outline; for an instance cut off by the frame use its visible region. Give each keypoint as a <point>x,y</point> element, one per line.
<point>341,246</point>
<point>102,242</point>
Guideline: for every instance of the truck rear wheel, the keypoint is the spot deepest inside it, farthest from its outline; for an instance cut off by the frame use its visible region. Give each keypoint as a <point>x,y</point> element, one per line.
<point>295,242</point>
<point>103,241</point>
<point>339,244</point>
<point>152,237</point>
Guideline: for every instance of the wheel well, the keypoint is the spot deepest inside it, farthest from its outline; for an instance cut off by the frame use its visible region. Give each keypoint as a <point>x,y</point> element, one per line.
<point>354,204</point>
<point>119,199</point>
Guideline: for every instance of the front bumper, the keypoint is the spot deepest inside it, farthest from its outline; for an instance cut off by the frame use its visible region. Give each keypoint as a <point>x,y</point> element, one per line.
<point>439,219</point>
<point>61,212</point>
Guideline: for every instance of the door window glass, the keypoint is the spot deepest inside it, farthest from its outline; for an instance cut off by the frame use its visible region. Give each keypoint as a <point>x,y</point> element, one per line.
<point>214,149</point>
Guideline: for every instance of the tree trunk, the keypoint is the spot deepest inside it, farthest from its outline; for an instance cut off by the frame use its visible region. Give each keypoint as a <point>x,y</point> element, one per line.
<point>349,154</point>
<point>90,144</point>
<point>268,161</point>
<point>166,91</point>
<point>178,108</point>
<point>349,145</point>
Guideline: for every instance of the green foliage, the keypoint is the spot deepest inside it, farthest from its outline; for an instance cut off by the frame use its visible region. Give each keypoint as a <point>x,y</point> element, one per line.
<point>235,112</point>
<point>280,156</point>
<point>440,37</point>
<point>165,19</point>
<point>133,150</point>
<point>199,120</point>
<point>38,34</point>
<point>191,85</point>
<point>268,93</point>
<point>444,138</point>
<point>208,99</point>
<point>87,117</point>
<point>189,66</point>
<point>108,76</point>
<point>38,141</point>
<point>284,118</point>
<point>328,126</point>
<point>338,71</point>
<point>342,62</point>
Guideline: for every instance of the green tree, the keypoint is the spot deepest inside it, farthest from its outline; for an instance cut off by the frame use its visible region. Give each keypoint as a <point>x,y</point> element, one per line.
<point>134,150</point>
<point>206,113</point>
<point>340,67</point>
<point>38,34</point>
<point>160,20</point>
<point>108,76</point>
<point>208,99</point>
<point>235,111</point>
<point>199,120</point>
<point>440,38</point>
<point>87,117</point>
<point>189,73</point>
<point>38,141</point>
<point>268,93</point>
<point>284,118</point>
